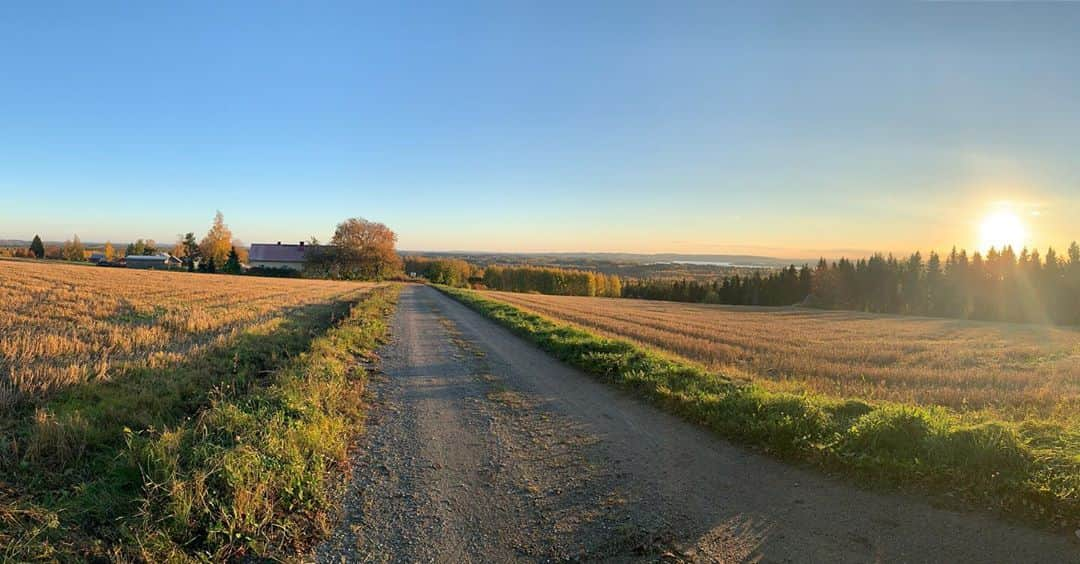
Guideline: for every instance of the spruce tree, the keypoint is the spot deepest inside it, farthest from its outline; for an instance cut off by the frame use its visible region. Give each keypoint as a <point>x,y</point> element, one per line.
<point>232,264</point>
<point>37,247</point>
<point>935,291</point>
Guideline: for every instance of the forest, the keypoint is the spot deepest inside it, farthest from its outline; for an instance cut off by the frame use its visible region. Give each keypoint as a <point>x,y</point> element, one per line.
<point>449,272</point>
<point>778,288</point>
<point>554,281</point>
<point>998,286</point>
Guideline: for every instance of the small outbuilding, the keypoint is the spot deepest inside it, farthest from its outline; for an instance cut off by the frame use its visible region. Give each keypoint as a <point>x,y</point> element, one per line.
<point>160,261</point>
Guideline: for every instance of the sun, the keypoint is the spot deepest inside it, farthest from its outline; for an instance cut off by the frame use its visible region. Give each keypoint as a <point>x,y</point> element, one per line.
<point>1002,229</point>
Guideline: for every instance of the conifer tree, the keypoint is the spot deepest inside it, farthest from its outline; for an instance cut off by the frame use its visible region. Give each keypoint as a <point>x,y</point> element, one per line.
<point>935,291</point>
<point>37,247</point>
<point>232,264</point>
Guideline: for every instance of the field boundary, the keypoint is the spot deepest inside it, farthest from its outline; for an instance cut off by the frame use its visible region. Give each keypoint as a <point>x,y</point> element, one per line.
<point>260,475</point>
<point>253,471</point>
<point>1029,471</point>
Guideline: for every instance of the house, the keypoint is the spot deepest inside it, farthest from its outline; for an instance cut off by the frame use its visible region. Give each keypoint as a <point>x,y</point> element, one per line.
<point>97,257</point>
<point>277,255</point>
<point>160,261</point>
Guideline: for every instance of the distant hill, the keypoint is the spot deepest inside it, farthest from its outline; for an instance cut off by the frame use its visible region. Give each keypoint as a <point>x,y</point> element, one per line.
<point>627,265</point>
<point>22,243</point>
<point>618,258</point>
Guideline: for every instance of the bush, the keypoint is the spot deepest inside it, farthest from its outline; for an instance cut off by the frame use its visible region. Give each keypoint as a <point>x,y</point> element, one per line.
<point>278,272</point>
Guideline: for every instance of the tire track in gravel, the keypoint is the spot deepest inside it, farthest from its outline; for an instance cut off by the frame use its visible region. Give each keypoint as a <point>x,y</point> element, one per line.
<point>481,448</point>
<point>459,467</point>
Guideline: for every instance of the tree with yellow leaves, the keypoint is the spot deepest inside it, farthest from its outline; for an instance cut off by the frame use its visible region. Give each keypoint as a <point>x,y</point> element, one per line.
<point>218,241</point>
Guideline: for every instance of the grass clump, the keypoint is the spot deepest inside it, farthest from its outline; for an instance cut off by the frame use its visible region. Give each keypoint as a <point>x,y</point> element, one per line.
<point>1028,470</point>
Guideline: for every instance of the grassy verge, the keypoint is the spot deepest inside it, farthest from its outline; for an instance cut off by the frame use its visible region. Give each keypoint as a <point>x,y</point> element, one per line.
<point>1029,470</point>
<point>230,455</point>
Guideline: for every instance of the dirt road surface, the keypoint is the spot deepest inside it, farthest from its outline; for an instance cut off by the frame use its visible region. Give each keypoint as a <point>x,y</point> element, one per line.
<point>481,448</point>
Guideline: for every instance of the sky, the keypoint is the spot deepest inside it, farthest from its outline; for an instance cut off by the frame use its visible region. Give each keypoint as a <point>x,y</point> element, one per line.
<point>791,130</point>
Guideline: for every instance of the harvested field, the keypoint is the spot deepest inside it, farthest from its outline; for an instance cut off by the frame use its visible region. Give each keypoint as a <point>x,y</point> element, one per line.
<point>127,392</point>
<point>1016,371</point>
<point>65,324</point>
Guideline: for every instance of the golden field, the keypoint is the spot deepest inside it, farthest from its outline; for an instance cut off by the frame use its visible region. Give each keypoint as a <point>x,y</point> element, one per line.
<point>63,324</point>
<point>1017,371</point>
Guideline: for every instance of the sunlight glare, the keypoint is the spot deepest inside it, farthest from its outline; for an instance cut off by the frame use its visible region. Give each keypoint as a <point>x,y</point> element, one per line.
<point>1001,229</point>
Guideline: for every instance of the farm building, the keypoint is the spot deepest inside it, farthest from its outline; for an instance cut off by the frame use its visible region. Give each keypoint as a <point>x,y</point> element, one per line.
<point>277,255</point>
<point>161,261</point>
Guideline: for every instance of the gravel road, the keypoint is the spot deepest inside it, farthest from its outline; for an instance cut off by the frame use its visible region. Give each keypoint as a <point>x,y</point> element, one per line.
<point>481,448</point>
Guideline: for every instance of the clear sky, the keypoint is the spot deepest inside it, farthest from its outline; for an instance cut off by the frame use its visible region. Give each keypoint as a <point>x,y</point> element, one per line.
<point>790,130</point>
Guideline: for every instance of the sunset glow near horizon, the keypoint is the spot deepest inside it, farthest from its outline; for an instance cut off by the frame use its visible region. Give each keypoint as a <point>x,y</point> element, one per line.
<point>1002,229</point>
<point>793,131</point>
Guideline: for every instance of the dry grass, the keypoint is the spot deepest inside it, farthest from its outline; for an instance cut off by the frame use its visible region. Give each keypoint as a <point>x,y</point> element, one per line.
<point>1015,371</point>
<point>65,324</point>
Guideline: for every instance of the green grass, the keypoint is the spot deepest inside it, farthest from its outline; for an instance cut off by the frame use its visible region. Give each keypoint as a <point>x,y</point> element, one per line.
<point>232,454</point>
<point>1029,470</point>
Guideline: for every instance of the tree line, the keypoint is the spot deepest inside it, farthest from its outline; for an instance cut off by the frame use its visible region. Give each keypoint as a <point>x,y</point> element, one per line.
<point>72,249</point>
<point>217,251</point>
<point>555,281</point>
<point>359,250</point>
<point>450,272</point>
<point>1000,286</point>
<point>784,287</point>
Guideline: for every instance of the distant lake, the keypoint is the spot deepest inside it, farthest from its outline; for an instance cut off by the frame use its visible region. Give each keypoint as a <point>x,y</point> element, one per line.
<point>712,263</point>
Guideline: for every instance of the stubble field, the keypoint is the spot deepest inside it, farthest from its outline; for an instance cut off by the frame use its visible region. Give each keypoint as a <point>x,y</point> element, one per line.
<point>1015,371</point>
<point>168,416</point>
<point>65,324</point>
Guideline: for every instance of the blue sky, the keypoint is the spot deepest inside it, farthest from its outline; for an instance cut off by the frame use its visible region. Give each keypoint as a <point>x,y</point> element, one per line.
<point>788,129</point>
